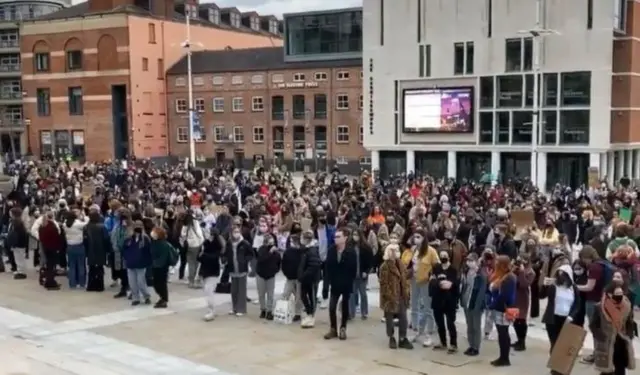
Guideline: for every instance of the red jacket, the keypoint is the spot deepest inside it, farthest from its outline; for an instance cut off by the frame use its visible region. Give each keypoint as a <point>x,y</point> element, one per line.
<point>51,237</point>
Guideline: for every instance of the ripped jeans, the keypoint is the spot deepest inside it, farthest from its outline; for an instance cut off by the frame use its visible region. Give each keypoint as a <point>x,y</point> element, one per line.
<point>421,312</point>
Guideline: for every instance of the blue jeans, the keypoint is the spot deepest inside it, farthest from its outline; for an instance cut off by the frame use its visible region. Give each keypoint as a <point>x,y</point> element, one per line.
<point>77,263</point>
<point>421,312</point>
<point>138,284</point>
<point>359,294</point>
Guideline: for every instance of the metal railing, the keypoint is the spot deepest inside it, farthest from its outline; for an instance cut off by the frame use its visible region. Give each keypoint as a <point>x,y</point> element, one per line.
<point>10,95</point>
<point>9,44</point>
<point>322,115</point>
<point>11,122</point>
<point>277,115</point>
<point>10,68</point>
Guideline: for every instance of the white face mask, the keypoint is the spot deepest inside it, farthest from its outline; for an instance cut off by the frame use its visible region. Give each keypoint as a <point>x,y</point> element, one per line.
<point>154,236</point>
<point>237,236</point>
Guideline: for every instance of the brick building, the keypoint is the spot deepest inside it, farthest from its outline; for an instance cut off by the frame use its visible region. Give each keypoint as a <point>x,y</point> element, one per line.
<point>252,104</point>
<point>94,73</point>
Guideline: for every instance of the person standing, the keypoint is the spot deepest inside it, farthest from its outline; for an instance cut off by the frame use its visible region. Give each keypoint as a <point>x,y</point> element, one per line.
<point>209,260</point>
<point>444,292</point>
<point>423,258</point>
<point>236,257</point>
<point>137,257</point>
<point>341,269</point>
<point>525,276</point>
<point>364,264</point>
<point>394,296</point>
<point>325,234</point>
<point>472,300</point>
<point>192,237</point>
<point>308,275</point>
<point>267,266</point>
<point>52,242</point>
<point>75,223</point>
<point>97,244</point>
<point>17,242</point>
<point>502,298</point>
<point>163,256</point>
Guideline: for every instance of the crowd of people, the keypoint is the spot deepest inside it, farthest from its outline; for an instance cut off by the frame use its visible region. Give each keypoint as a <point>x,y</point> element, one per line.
<point>436,246</point>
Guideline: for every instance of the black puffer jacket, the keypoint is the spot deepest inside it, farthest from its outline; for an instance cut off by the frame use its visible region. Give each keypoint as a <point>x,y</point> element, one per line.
<point>310,265</point>
<point>268,264</point>
<point>209,258</point>
<point>291,259</point>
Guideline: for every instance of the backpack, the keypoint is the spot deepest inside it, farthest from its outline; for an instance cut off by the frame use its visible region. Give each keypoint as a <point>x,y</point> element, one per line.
<point>174,256</point>
<point>607,271</point>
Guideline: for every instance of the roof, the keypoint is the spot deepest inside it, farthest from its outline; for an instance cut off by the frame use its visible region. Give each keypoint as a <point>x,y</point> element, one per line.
<point>82,10</point>
<point>250,59</point>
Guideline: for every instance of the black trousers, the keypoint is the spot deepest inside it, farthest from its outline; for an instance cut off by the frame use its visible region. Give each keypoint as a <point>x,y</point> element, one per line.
<point>308,297</point>
<point>12,260</point>
<point>521,327</point>
<point>51,263</point>
<point>183,262</point>
<point>553,330</point>
<point>534,309</point>
<point>160,276</point>
<point>446,321</point>
<point>62,259</point>
<point>504,341</point>
<point>333,306</point>
<point>124,280</point>
<point>325,283</point>
<point>95,278</point>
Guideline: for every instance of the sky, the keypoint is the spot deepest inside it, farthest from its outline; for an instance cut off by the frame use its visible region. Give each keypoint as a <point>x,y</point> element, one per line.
<point>277,7</point>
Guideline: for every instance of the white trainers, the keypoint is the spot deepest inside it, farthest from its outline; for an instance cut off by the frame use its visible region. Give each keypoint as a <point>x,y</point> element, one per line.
<point>324,304</point>
<point>304,321</point>
<point>311,321</point>
<point>209,316</point>
<point>427,342</point>
<point>239,314</point>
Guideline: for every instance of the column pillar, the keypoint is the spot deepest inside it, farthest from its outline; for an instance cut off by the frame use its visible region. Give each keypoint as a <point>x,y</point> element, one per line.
<point>411,161</point>
<point>542,171</point>
<point>534,169</point>
<point>611,167</point>
<point>628,164</point>
<point>452,165</point>
<point>375,161</point>
<point>619,166</point>
<point>495,165</point>
<point>636,164</point>
<point>604,165</point>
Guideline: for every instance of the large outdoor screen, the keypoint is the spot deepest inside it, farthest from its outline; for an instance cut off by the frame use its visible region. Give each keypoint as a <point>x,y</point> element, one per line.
<point>438,110</point>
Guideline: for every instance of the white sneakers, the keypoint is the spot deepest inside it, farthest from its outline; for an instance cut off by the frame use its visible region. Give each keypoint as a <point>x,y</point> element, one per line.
<point>209,316</point>
<point>324,304</point>
<point>427,342</point>
<point>308,321</point>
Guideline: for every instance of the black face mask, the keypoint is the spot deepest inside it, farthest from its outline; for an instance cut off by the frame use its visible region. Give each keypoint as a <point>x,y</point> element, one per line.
<point>138,231</point>
<point>617,299</point>
<point>444,260</point>
<point>322,221</point>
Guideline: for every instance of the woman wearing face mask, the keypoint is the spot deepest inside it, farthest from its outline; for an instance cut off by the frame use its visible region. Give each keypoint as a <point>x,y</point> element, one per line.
<point>209,260</point>
<point>472,300</point>
<point>563,303</point>
<point>580,278</point>
<point>163,256</point>
<point>525,276</point>
<point>556,259</point>
<point>550,235</point>
<point>502,296</point>
<point>444,292</point>
<point>394,296</point>
<point>192,238</point>
<point>612,327</point>
<point>267,266</point>
<point>364,263</point>
<point>258,236</point>
<point>137,256</point>
<point>236,257</point>
<point>424,258</point>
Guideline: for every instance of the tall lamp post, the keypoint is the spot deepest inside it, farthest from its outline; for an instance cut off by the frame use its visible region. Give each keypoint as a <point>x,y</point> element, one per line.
<point>187,46</point>
<point>537,33</point>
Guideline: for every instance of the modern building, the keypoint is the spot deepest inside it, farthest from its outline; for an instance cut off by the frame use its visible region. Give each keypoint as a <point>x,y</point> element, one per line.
<point>450,89</point>
<point>299,107</point>
<point>94,73</point>
<point>13,139</point>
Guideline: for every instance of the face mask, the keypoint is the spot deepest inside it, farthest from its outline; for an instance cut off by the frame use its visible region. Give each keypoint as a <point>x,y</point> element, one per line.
<point>263,228</point>
<point>578,271</point>
<point>356,239</point>
<point>617,299</point>
<point>322,221</point>
<point>154,236</point>
<point>394,241</point>
<point>138,231</point>
<point>444,260</point>
<point>417,240</point>
<point>237,236</point>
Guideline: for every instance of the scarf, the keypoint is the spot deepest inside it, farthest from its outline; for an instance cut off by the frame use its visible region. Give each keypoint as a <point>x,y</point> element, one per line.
<point>615,313</point>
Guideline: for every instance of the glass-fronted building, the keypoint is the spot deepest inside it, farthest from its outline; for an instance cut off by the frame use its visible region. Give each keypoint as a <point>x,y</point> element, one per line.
<point>323,35</point>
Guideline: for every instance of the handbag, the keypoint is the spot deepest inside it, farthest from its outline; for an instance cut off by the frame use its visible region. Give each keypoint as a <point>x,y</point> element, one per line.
<point>284,311</point>
<point>511,313</point>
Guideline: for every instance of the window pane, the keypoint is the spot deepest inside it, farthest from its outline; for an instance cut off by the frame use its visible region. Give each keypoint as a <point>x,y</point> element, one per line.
<point>502,126</point>
<point>522,127</point>
<point>486,127</point>
<point>528,53</point>
<point>458,56</point>
<point>513,49</point>
<point>469,58</point>
<point>576,89</point>
<point>550,89</point>
<point>549,127</point>
<point>574,127</point>
<point>486,92</point>
<point>510,91</point>
<point>528,83</point>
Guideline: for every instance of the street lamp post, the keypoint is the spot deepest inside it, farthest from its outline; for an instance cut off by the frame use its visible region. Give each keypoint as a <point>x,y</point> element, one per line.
<point>187,45</point>
<point>537,33</point>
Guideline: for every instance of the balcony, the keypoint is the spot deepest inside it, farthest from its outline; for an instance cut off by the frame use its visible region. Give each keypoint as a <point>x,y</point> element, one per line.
<point>320,115</point>
<point>12,124</point>
<point>8,98</point>
<point>10,70</point>
<point>9,46</point>
<point>277,115</point>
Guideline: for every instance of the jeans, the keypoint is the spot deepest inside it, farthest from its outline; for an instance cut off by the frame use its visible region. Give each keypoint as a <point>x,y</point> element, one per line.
<point>77,272</point>
<point>421,312</point>
<point>209,288</point>
<point>474,328</point>
<point>266,289</point>
<point>192,263</point>
<point>20,259</point>
<point>292,287</point>
<point>239,294</point>
<point>138,283</point>
<point>359,292</point>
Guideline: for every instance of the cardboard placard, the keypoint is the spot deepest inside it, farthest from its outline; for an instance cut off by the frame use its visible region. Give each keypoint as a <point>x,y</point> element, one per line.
<point>566,350</point>
<point>522,219</point>
<point>305,224</point>
<point>625,214</point>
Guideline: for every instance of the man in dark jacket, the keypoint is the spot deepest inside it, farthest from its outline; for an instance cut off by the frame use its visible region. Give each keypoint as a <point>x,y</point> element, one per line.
<point>97,244</point>
<point>341,267</point>
<point>18,242</point>
<point>52,242</point>
<point>308,275</point>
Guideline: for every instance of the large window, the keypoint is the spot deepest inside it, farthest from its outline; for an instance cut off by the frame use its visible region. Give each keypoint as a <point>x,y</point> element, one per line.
<point>550,89</point>
<point>510,91</point>
<point>324,33</point>
<point>486,92</point>
<point>486,127</point>
<point>513,55</point>
<point>549,127</point>
<point>521,128</point>
<point>502,127</point>
<point>576,89</point>
<point>574,127</point>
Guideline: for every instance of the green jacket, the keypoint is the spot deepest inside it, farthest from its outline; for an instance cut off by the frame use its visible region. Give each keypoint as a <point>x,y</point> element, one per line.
<point>161,253</point>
